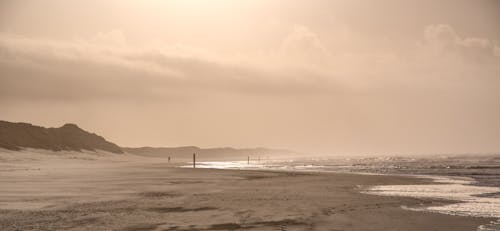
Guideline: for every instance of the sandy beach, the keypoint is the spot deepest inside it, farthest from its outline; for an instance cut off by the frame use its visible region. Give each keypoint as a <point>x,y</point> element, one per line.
<point>110,194</point>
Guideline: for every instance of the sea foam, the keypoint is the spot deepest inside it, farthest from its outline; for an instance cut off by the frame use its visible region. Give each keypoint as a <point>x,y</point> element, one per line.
<point>470,198</point>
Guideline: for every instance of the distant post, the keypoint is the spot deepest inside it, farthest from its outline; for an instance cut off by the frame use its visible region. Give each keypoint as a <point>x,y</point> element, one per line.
<point>248,160</point>
<point>194,160</point>
<point>168,159</point>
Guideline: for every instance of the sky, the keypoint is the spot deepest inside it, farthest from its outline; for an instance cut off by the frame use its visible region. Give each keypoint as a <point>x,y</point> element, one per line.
<point>321,77</point>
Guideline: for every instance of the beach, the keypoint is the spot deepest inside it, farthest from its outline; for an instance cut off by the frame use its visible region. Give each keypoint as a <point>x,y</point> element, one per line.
<point>101,193</point>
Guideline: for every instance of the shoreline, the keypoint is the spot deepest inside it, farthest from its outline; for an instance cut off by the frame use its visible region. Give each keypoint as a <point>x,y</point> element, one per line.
<point>157,196</point>
<point>460,203</point>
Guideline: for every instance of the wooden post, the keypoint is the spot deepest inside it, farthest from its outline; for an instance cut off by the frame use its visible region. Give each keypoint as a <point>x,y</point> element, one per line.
<point>194,160</point>
<point>168,159</point>
<point>248,160</point>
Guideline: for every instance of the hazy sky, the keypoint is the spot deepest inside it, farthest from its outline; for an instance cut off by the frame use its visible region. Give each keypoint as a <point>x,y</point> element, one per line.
<point>330,77</point>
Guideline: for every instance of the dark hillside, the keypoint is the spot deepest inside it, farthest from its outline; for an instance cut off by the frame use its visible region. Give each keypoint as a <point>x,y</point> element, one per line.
<point>15,136</point>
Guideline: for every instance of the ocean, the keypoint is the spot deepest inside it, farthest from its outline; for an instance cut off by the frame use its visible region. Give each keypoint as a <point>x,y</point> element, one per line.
<point>473,181</point>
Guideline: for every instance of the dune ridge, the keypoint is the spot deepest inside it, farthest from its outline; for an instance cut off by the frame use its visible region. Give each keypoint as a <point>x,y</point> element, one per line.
<point>69,137</point>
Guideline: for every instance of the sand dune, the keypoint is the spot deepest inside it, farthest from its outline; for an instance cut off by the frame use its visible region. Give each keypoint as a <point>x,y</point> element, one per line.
<point>69,137</point>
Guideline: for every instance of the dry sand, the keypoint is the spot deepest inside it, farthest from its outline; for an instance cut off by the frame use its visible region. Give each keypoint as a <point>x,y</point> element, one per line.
<point>98,192</point>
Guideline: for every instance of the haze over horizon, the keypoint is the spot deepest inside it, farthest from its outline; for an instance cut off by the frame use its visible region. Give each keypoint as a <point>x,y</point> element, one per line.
<point>330,77</point>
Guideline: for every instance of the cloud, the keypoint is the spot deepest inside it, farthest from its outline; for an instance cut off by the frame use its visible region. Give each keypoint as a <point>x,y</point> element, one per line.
<point>111,38</point>
<point>107,67</point>
<point>442,39</point>
<point>304,45</point>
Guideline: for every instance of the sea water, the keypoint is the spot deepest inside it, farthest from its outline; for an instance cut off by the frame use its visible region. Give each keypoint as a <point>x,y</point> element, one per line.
<point>471,200</point>
<point>473,182</point>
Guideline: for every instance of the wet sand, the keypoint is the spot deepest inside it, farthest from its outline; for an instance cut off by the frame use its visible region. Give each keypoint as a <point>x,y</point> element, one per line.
<point>87,194</point>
